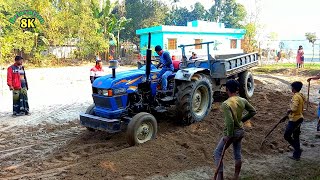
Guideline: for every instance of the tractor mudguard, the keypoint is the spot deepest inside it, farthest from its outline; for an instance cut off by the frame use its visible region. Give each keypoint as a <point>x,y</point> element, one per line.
<point>186,74</point>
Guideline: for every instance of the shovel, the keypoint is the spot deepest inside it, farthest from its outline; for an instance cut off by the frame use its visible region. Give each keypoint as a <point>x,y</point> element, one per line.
<point>225,146</point>
<point>308,95</point>
<point>281,120</point>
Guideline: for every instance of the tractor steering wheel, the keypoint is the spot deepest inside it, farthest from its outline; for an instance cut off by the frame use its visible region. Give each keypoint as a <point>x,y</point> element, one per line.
<point>155,60</point>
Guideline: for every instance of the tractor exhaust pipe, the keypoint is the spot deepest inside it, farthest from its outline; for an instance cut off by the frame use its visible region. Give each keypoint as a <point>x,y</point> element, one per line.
<point>113,73</point>
<point>113,64</point>
<point>148,63</point>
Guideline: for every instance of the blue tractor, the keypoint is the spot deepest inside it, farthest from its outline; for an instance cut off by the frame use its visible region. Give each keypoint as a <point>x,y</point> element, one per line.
<point>127,100</point>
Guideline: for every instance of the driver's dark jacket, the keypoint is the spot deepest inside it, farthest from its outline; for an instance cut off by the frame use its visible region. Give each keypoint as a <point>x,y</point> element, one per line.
<point>165,59</point>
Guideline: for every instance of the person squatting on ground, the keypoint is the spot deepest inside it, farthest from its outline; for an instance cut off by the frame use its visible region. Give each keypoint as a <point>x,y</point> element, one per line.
<point>232,109</point>
<point>165,64</point>
<point>96,71</point>
<point>292,132</point>
<point>17,82</point>
<point>316,78</point>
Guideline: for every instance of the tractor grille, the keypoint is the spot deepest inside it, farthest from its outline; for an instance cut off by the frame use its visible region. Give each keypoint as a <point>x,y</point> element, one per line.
<point>101,101</point>
<point>119,102</point>
<point>105,102</point>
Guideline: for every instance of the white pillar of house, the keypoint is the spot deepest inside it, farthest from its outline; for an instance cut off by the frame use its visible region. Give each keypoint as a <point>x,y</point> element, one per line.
<point>238,43</point>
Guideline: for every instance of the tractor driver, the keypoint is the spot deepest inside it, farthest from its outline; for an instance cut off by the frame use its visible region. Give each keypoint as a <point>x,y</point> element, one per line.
<point>165,64</point>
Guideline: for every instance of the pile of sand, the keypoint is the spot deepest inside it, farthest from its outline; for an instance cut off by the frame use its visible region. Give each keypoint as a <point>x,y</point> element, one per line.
<point>178,148</point>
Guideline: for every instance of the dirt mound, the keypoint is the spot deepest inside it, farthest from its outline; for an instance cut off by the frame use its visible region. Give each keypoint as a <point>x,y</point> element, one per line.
<point>69,151</point>
<point>179,148</point>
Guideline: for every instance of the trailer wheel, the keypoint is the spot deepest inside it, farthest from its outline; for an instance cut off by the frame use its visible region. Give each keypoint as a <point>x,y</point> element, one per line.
<point>90,110</point>
<point>246,84</point>
<point>141,128</point>
<point>194,100</point>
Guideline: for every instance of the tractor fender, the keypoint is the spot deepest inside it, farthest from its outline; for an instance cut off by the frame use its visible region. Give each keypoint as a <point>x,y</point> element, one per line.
<point>186,74</point>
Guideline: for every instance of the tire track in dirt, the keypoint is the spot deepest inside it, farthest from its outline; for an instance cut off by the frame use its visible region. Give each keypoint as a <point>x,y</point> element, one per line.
<point>54,149</point>
<point>67,150</point>
<point>54,114</point>
<point>281,83</point>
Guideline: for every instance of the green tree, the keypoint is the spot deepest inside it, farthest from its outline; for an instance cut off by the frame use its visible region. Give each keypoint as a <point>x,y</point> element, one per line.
<point>231,13</point>
<point>178,17</point>
<point>143,13</point>
<point>120,26</point>
<point>65,22</point>
<point>198,12</point>
<point>215,13</point>
<point>311,37</point>
<point>234,14</point>
<point>249,42</point>
<point>107,20</point>
<point>12,37</point>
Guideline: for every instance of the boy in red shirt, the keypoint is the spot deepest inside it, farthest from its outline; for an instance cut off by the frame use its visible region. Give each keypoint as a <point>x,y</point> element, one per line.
<point>96,71</point>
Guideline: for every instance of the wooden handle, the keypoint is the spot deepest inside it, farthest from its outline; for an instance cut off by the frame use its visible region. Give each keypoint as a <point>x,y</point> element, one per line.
<point>308,95</point>
<point>225,146</point>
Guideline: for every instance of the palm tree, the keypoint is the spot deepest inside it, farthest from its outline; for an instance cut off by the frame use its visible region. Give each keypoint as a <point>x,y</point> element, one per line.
<point>109,22</point>
<point>311,37</point>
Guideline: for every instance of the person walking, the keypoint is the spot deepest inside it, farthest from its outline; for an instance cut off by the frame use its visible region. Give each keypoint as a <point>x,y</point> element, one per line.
<point>233,109</point>
<point>18,84</point>
<point>300,57</point>
<point>292,132</point>
<point>279,56</point>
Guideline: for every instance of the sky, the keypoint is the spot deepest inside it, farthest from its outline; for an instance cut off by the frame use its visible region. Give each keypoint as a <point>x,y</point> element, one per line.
<point>290,19</point>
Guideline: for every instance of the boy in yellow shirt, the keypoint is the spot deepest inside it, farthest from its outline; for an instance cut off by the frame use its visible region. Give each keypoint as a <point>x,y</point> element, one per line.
<point>292,132</point>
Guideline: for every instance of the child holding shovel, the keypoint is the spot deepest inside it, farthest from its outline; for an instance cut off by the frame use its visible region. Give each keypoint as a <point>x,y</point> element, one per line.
<point>232,109</point>
<point>292,132</point>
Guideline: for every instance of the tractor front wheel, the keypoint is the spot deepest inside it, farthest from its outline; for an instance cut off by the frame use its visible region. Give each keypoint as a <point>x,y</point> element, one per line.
<point>141,128</point>
<point>90,110</point>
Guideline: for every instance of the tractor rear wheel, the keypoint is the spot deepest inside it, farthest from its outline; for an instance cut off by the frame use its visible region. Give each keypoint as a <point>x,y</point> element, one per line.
<point>90,110</point>
<point>194,99</point>
<point>142,128</point>
<point>246,82</point>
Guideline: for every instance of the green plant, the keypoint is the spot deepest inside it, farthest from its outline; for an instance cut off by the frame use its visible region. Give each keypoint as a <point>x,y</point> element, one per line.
<point>311,37</point>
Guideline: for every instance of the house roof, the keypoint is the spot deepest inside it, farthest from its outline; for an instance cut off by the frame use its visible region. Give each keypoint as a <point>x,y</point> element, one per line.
<point>204,27</point>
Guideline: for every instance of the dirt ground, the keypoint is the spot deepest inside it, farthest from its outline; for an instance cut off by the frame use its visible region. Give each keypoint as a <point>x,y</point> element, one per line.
<point>50,144</point>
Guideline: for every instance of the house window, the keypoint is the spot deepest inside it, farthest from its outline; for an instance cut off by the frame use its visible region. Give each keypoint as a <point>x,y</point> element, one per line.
<point>233,44</point>
<point>172,44</point>
<point>198,41</point>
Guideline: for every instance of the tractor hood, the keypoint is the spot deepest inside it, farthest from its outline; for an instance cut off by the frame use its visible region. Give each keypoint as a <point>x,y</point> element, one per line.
<point>125,79</point>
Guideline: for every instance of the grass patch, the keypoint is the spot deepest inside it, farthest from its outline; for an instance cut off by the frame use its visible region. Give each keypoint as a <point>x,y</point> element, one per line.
<point>309,69</point>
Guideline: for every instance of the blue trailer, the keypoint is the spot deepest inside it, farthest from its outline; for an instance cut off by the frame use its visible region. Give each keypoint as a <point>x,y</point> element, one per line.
<point>127,100</point>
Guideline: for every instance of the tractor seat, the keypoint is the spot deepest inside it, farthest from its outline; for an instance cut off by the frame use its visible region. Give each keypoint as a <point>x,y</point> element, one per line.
<point>176,65</point>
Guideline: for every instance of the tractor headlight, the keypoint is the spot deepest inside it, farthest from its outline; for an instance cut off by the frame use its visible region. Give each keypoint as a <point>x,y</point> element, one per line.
<point>105,92</point>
